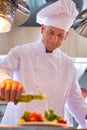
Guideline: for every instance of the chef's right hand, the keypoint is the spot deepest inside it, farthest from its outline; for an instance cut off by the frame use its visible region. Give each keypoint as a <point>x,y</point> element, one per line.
<point>10,89</point>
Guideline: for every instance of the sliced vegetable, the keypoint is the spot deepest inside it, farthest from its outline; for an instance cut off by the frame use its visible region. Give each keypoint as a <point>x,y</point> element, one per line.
<point>62,121</point>
<point>33,116</point>
<point>25,115</point>
<point>49,115</point>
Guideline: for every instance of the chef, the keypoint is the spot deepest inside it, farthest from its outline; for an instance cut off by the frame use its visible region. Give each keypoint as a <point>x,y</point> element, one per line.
<point>41,67</point>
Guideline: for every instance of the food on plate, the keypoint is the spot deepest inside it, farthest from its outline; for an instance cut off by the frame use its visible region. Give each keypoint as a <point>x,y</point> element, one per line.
<point>49,116</point>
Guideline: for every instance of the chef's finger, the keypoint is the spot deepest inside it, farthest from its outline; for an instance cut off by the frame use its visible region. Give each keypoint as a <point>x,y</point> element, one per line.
<point>20,90</point>
<point>7,92</point>
<point>13,93</point>
<point>2,89</point>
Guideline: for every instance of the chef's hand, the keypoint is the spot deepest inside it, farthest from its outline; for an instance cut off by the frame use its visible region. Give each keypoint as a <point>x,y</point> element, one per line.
<point>10,89</point>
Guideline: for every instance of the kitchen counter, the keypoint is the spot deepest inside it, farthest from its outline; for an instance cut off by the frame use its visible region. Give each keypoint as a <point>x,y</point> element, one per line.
<point>34,127</point>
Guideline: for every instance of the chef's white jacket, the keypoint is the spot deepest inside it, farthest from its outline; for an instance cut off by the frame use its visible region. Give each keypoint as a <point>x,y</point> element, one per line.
<point>50,73</point>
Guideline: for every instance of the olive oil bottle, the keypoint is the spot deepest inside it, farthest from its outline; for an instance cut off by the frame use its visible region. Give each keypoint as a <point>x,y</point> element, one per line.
<point>28,98</point>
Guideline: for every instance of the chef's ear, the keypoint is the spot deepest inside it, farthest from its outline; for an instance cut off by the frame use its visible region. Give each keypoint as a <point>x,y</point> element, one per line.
<point>42,28</point>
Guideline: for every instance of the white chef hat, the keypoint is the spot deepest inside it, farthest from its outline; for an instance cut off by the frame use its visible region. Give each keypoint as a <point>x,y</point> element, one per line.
<point>60,14</point>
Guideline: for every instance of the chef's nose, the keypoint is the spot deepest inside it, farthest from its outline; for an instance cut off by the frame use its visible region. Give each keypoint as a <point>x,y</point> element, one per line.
<point>55,38</point>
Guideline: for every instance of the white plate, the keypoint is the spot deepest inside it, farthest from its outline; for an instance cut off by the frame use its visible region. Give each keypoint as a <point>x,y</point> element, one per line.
<point>43,124</point>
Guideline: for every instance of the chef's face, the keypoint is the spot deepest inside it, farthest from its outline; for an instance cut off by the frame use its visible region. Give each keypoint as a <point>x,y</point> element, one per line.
<point>52,37</point>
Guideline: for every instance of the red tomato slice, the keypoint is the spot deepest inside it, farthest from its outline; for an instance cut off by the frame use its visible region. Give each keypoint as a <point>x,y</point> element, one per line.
<point>33,116</point>
<point>62,121</point>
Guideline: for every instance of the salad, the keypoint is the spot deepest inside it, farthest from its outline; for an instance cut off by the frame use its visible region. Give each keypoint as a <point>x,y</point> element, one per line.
<point>49,116</point>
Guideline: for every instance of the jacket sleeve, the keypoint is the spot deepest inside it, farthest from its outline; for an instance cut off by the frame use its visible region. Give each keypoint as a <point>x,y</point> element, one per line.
<point>76,102</point>
<point>9,64</point>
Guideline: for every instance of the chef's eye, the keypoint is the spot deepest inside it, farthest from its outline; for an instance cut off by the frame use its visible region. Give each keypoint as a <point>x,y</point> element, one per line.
<point>50,32</point>
<point>60,35</point>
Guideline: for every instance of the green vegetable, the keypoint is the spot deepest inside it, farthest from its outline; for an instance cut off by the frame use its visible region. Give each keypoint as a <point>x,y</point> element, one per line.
<point>50,115</point>
<point>25,114</point>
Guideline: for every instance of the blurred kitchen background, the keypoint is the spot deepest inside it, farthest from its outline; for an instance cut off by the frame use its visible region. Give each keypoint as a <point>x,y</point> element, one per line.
<point>75,45</point>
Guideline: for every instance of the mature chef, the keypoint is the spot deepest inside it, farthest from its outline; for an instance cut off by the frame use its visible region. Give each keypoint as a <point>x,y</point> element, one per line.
<point>41,67</point>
